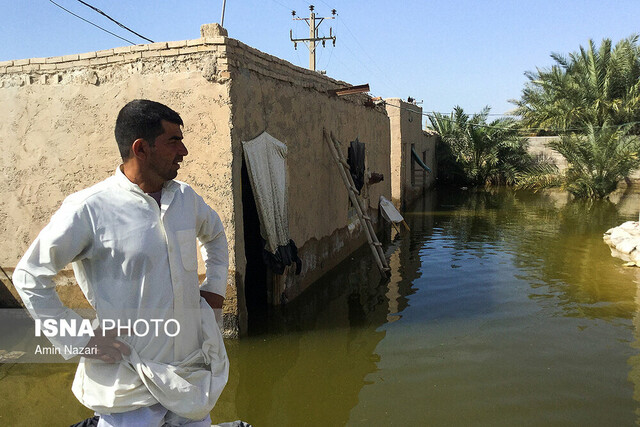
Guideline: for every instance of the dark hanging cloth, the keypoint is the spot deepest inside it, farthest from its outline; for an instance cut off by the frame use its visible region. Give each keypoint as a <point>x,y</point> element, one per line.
<point>89,422</point>
<point>355,159</point>
<point>283,256</point>
<point>419,161</point>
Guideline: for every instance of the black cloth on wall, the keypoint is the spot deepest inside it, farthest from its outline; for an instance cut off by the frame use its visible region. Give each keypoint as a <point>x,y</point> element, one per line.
<point>284,256</point>
<point>355,159</point>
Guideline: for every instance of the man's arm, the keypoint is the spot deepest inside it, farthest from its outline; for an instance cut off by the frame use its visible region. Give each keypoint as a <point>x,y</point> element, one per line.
<point>68,237</point>
<point>215,253</point>
<point>65,238</point>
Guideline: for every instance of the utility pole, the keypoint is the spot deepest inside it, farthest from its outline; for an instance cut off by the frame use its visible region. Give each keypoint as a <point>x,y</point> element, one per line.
<point>313,34</point>
<point>224,3</point>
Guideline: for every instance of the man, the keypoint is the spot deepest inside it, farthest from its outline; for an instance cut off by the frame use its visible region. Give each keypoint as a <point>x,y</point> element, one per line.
<point>131,240</point>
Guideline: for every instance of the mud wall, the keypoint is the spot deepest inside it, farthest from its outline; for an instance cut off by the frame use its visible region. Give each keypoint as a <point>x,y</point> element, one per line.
<point>58,138</point>
<point>57,132</point>
<point>408,178</point>
<point>294,105</point>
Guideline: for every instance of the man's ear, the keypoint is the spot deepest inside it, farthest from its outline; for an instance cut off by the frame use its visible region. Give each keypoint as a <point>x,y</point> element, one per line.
<point>140,148</point>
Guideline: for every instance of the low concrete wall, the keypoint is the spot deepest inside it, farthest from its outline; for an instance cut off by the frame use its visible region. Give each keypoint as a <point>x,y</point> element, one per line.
<point>408,179</point>
<point>538,146</point>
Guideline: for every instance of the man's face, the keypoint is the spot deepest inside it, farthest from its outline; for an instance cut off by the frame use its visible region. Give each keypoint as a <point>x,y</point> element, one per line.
<point>167,152</point>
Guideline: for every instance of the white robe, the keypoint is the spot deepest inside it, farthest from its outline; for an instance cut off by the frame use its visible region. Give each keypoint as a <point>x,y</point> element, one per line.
<point>132,261</point>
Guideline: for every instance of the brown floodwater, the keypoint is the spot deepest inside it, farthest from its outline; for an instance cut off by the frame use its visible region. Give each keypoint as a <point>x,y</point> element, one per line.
<point>504,308</point>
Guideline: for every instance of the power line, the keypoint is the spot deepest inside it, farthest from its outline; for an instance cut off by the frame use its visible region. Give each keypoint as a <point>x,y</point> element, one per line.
<point>329,61</point>
<point>325,3</point>
<point>280,4</point>
<point>113,20</point>
<point>385,80</point>
<point>365,52</point>
<point>89,22</point>
<point>522,131</point>
<point>346,66</point>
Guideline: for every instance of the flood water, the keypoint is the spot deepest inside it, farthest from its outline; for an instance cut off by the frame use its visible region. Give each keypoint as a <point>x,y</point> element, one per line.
<point>504,308</point>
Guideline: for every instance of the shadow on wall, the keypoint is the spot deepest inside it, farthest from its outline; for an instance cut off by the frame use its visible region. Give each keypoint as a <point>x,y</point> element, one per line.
<point>7,300</point>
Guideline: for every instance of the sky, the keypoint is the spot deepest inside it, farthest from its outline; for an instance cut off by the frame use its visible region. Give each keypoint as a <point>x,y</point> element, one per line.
<point>442,53</point>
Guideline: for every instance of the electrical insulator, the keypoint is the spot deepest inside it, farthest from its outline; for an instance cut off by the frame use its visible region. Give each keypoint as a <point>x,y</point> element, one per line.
<point>323,44</point>
<point>293,13</point>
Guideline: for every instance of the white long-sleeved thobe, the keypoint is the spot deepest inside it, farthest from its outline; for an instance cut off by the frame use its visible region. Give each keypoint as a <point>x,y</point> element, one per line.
<point>134,260</point>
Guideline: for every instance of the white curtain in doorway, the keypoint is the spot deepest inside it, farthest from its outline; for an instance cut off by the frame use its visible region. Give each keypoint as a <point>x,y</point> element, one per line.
<point>265,157</point>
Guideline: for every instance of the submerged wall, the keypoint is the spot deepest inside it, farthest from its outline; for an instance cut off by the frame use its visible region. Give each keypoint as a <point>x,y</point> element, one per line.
<point>408,178</point>
<point>294,105</point>
<point>539,146</point>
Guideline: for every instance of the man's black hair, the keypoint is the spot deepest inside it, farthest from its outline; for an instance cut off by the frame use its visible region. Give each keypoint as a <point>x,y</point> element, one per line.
<point>142,118</point>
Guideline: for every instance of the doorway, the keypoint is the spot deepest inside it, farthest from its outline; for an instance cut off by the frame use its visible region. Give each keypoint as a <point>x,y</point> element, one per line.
<point>256,273</point>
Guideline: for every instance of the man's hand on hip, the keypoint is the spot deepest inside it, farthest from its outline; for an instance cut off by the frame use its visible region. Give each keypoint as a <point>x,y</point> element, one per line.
<point>214,300</point>
<point>108,348</point>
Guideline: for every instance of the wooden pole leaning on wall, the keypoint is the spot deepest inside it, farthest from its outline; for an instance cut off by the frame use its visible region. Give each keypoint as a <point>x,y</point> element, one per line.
<point>361,209</point>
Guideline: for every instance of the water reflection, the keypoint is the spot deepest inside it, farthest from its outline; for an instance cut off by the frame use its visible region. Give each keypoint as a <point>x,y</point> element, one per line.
<point>319,348</point>
<point>556,242</point>
<point>561,250</point>
<point>503,308</point>
<point>39,394</point>
<point>517,314</point>
<point>634,361</point>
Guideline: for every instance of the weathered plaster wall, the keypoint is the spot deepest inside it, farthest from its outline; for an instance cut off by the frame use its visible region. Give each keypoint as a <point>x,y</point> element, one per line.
<point>58,138</point>
<point>408,178</point>
<point>57,132</point>
<point>292,104</point>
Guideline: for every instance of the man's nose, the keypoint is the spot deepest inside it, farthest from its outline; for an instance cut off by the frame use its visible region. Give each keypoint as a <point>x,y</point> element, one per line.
<point>183,149</point>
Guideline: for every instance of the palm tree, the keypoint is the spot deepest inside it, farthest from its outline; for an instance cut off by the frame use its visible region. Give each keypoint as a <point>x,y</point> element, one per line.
<point>475,152</point>
<point>598,86</point>
<point>591,99</point>
<point>449,170</point>
<point>598,160</point>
